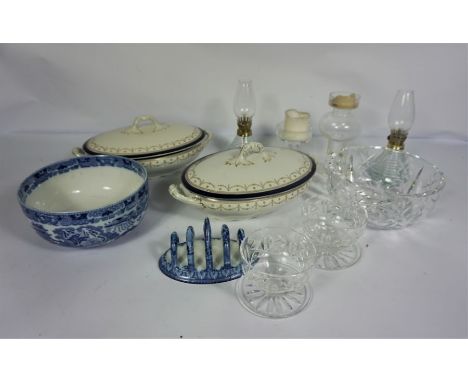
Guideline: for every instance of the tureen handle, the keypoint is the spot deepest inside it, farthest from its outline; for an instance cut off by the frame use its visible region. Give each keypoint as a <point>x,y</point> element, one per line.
<point>139,121</point>
<point>177,193</point>
<point>247,149</point>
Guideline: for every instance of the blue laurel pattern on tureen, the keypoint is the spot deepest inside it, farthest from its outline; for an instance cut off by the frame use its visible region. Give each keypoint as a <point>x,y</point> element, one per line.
<point>89,228</point>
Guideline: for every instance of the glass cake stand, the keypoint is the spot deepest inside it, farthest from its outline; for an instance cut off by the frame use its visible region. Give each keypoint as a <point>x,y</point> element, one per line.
<point>276,261</point>
<point>334,223</point>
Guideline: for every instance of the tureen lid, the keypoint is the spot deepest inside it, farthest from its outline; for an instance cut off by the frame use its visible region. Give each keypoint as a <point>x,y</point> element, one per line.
<point>251,172</point>
<point>145,137</point>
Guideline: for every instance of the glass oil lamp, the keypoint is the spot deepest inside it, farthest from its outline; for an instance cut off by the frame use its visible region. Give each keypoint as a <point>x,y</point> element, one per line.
<point>390,166</point>
<point>401,119</point>
<point>244,109</point>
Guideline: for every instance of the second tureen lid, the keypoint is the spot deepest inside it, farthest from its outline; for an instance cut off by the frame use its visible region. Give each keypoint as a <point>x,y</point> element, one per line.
<point>254,171</point>
<point>145,137</point>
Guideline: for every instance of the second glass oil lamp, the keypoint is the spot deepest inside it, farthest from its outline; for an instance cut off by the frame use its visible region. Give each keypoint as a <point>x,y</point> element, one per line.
<point>244,109</point>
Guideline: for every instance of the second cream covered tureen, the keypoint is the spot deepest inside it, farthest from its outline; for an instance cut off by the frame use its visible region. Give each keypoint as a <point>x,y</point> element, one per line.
<point>247,182</point>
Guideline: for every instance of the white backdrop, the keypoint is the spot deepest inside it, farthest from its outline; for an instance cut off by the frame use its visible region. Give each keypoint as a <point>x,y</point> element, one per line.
<point>93,88</point>
<point>410,283</point>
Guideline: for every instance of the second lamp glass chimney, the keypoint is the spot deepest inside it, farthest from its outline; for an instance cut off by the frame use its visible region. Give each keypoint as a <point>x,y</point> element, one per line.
<point>244,108</point>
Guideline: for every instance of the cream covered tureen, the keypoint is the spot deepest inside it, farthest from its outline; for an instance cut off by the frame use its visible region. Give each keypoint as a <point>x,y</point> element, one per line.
<point>160,147</point>
<point>245,182</point>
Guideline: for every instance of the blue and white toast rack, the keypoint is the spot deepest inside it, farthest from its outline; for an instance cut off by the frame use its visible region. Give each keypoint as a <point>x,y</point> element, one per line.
<point>204,260</point>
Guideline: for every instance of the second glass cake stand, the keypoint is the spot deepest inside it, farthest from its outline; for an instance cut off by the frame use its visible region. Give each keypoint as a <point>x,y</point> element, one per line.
<point>276,261</point>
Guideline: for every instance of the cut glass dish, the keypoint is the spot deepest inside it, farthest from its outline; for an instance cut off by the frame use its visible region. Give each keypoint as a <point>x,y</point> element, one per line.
<point>390,204</point>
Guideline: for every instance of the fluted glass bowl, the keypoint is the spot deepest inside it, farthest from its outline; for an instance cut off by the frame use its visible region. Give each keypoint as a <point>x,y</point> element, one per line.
<point>396,188</point>
<point>275,261</point>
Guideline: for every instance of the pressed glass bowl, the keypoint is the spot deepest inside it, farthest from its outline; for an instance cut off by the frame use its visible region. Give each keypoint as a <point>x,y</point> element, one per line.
<point>396,188</point>
<point>275,264</point>
<point>334,224</point>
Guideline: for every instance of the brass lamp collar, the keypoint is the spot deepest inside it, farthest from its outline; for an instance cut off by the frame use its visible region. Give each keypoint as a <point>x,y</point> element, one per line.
<point>244,126</point>
<point>396,139</point>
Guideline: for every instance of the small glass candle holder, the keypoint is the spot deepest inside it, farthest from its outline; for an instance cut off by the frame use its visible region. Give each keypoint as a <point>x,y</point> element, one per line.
<point>295,130</point>
<point>275,261</point>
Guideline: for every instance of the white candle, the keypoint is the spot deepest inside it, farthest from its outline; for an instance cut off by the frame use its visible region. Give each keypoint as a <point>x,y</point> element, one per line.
<point>296,125</point>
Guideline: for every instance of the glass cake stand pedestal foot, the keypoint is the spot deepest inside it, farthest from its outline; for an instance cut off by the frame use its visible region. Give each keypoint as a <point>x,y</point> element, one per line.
<point>268,298</point>
<point>342,259</point>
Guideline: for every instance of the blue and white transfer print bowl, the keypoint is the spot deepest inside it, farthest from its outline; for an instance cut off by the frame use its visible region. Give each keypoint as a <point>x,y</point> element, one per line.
<point>85,202</point>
